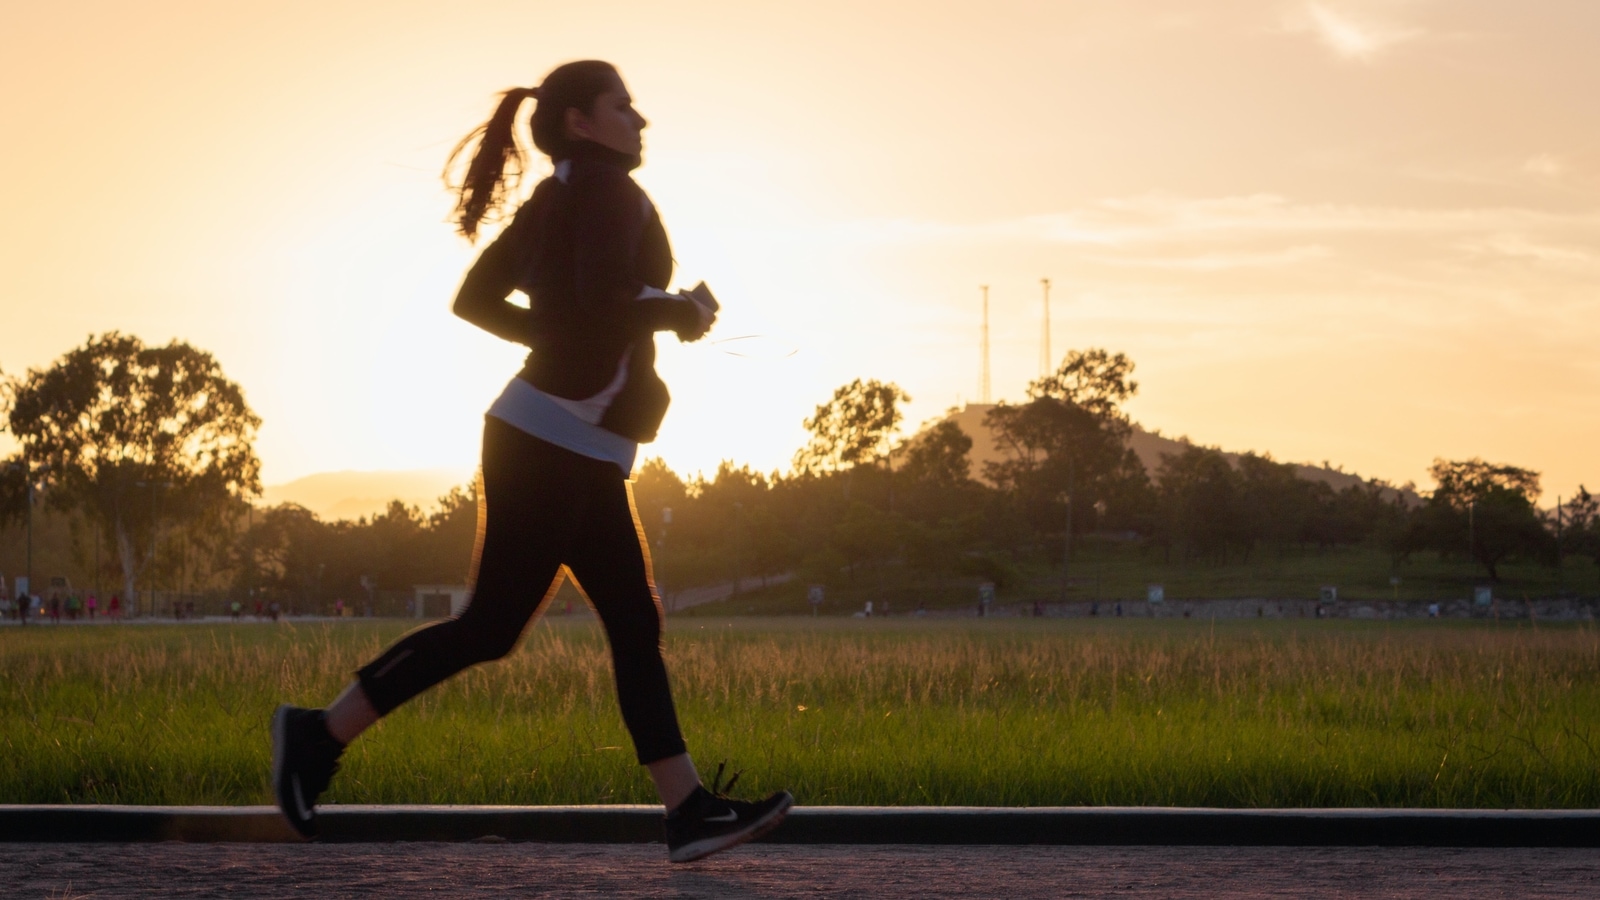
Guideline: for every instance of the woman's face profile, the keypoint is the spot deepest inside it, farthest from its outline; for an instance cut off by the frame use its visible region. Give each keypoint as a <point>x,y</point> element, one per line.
<point>612,122</point>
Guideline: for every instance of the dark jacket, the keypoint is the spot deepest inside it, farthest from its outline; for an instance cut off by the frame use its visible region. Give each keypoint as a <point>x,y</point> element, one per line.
<point>583,249</point>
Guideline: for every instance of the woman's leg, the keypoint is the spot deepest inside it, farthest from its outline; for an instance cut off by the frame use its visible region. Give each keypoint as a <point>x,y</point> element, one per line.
<point>611,564</point>
<point>675,778</point>
<point>350,714</point>
<point>526,499</point>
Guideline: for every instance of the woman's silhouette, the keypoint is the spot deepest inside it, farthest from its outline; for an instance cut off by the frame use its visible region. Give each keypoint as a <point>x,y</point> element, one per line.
<point>589,251</point>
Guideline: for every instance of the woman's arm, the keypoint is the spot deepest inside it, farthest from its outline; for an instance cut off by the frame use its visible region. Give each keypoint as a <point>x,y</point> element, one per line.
<point>612,214</point>
<point>482,299</point>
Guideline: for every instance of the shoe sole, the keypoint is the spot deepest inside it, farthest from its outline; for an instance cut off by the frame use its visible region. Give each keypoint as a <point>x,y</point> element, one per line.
<point>760,828</point>
<point>280,743</point>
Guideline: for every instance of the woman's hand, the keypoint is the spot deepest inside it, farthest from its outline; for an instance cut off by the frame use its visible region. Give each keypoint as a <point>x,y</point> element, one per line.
<point>696,321</point>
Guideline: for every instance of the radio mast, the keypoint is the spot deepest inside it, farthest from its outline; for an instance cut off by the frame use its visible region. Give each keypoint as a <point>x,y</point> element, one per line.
<point>983,380</point>
<point>1047,362</point>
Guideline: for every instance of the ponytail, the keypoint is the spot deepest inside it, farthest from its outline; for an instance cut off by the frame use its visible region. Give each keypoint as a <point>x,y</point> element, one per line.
<point>500,159</point>
<point>497,164</point>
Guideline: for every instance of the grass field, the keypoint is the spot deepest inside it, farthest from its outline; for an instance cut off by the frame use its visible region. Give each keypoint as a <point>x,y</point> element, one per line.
<point>996,712</point>
<point>1108,571</point>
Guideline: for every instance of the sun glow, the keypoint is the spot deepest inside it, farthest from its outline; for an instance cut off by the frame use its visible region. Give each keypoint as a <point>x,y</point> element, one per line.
<point>1375,264</point>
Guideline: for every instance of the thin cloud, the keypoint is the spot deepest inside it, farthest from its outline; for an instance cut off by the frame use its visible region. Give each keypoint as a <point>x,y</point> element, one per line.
<point>1161,216</point>
<point>1518,246</point>
<point>1223,262</point>
<point>1348,37</point>
<point>1544,164</point>
<point>1147,220</point>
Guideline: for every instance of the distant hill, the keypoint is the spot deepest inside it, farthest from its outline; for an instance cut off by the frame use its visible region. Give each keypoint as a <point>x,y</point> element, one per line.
<point>1148,445</point>
<point>351,495</point>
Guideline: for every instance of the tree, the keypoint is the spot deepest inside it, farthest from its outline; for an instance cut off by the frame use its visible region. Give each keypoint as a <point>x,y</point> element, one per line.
<point>1070,438</point>
<point>288,550</point>
<point>865,535</point>
<point>856,427</point>
<point>1487,510</point>
<point>1275,505</point>
<point>737,529</point>
<point>937,456</point>
<point>1093,379</point>
<point>14,497</point>
<point>934,487</point>
<point>657,488</point>
<point>13,492</point>
<point>1200,500</point>
<point>453,530</point>
<point>129,435</point>
<point>1580,530</point>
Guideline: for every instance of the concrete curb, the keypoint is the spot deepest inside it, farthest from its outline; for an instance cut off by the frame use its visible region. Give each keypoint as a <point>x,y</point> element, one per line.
<point>1125,826</point>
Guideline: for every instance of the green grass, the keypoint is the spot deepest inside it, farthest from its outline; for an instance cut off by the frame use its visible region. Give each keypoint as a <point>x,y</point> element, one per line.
<point>1003,712</point>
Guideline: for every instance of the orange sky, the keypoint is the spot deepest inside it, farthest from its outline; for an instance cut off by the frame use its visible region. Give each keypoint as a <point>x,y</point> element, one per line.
<point>1366,232</point>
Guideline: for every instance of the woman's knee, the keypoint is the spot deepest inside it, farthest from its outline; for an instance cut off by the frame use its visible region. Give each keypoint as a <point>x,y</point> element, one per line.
<point>482,639</point>
<point>636,631</point>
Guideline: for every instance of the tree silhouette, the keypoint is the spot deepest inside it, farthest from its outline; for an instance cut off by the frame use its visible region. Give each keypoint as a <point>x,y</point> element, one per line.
<point>1486,510</point>
<point>1200,502</point>
<point>938,456</point>
<point>1070,438</point>
<point>856,427</point>
<point>1095,380</point>
<point>130,435</point>
<point>1580,530</point>
<point>13,473</point>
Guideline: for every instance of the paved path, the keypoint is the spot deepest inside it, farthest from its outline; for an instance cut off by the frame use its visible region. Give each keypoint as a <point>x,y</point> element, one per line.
<point>406,870</point>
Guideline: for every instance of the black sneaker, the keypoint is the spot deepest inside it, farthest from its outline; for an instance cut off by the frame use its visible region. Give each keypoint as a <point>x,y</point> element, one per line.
<point>304,758</point>
<point>710,821</point>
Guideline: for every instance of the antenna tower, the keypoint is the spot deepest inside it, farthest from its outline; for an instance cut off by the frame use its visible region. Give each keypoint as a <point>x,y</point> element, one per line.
<point>983,381</point>
<point>1046,361</point>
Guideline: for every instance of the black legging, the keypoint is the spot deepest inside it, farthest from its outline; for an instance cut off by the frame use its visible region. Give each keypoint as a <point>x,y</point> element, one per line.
<point>542,507</point>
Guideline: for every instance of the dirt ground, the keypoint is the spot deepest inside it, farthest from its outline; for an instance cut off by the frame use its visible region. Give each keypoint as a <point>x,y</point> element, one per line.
<point>62,871</point>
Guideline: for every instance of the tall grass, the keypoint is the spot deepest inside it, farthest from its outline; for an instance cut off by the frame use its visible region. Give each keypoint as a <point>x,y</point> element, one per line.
<point>998,712</point>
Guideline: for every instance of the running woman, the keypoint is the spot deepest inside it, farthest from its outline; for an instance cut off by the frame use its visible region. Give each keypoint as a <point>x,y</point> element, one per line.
<point>590,252</point>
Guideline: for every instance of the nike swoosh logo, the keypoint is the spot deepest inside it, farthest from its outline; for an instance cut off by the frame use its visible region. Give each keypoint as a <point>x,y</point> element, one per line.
<point>729,816</point>
<point>299,801</point>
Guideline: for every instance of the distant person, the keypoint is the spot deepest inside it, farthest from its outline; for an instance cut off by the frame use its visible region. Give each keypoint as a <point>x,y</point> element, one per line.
<point>258,609</point>
<point>114,608</point>
<point>55,609</point>
<point>236,609</point>
<point>91,604</point>
<point>272,610</point>
<point>74,607</point>
<point>589,250</point>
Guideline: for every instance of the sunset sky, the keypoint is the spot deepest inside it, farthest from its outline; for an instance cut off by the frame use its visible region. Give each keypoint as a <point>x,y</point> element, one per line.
<point>1363,232</point>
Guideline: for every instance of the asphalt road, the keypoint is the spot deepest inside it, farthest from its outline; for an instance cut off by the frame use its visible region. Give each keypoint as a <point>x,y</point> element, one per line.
<point>406,870</point>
